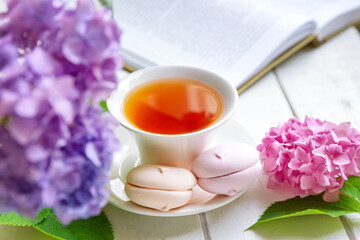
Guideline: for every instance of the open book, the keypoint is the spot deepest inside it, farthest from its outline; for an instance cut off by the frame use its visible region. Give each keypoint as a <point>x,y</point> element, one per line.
<point>240,39</point>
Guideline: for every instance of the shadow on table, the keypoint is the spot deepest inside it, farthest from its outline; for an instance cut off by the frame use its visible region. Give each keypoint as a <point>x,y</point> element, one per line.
<point>240,214</point>
<point>20,233</point>
<point>129,225</point>
<point>303,227</point>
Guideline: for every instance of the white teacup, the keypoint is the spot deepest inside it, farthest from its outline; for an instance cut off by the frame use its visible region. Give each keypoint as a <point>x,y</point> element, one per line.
<point>172,150</point>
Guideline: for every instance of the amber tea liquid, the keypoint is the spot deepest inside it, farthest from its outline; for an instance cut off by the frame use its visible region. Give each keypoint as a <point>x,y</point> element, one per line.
<point>173,106</point>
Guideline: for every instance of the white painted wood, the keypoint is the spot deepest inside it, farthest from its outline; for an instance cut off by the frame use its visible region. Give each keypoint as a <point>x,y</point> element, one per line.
<point>134,226</point>
<point>261,107</point>
<point>325,83</point>
<point>353,224</point>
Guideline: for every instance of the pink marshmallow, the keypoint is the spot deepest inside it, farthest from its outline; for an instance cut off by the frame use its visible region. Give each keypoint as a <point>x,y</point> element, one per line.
<point>227,169</point>
<point>231,184</point>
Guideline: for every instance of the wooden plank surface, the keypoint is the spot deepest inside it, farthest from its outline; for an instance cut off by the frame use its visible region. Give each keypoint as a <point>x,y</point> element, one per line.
<point>128,225</point>
<point>325,83</point>
<point>258,114</point>
<point>322,82</point>
<point>261,107</point>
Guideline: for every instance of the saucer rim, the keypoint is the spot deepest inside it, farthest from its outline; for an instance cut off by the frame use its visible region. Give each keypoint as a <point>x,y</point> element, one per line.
<point>190,209</point>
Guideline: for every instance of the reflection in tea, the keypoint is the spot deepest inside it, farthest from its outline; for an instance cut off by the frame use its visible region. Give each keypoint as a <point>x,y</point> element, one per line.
<point>173,106</point>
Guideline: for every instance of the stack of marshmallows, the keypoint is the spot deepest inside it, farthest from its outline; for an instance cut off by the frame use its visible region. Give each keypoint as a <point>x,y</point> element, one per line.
<point>224,169</point>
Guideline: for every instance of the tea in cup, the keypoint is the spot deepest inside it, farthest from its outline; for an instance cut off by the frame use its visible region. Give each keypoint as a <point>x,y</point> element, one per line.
<point>172,111</point>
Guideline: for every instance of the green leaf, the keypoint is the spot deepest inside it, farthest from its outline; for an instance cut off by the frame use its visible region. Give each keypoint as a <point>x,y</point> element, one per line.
<point>15,219</point>
<point>307,206</point>
<point>104,106</point>
<point>41,216</point>
<point>106,3</point>
<point>94,228</point>
<point>352,187</point>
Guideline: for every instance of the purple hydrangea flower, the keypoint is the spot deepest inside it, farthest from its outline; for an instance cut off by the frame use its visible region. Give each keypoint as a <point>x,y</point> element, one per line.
<point>27,20</point>
<point>56,146</point>
<point>8,53</point>
<point>9,66</point>
<point>80,169</point>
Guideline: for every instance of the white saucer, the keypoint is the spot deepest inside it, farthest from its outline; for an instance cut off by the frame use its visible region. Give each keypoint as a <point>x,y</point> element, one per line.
<point>201,201</point>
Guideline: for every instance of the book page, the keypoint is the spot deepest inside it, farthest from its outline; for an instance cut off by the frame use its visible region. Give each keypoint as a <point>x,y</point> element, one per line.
<point>3,6</point>
<point>211,34</point>
<point>329,15</point>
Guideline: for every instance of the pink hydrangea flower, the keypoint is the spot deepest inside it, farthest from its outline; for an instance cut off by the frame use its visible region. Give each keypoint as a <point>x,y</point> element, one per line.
<point>312,157</point>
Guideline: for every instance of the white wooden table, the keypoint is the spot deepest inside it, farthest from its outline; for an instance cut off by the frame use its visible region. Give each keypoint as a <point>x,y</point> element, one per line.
<point>321,82</point>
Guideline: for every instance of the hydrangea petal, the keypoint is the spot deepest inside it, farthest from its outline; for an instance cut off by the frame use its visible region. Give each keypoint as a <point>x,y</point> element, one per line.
<point>307,168</point>
<point>331,196</point>
<point>27,107</point>
<point>334,149</point>
<point>342,159</point>
<point>41,62</point>
<point>48,196</point>
<point>322,180</point>
<point>270,164</point>
<point>36,153</point>
<point>320,155</point>
<point>72,48</point>
<point>91,153</point>
<point>307,182</point>
<point>64,108</point>
<point>301,154</point>
<point>22,129</point>
<point>320,151</point>
<point>295,164</point>
<point>7,100</point>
